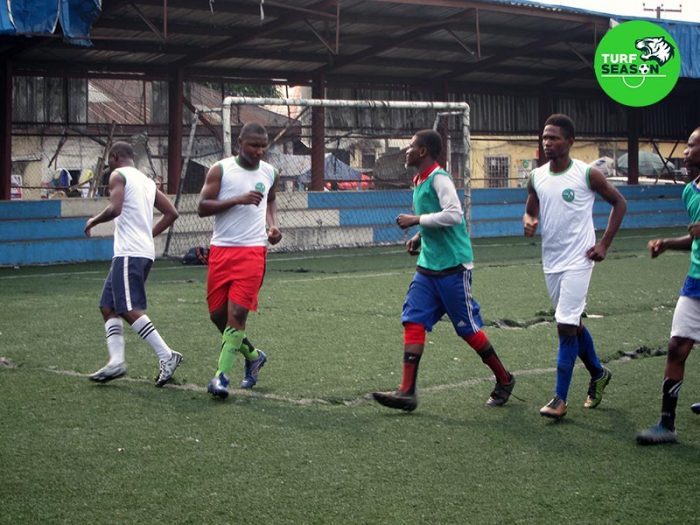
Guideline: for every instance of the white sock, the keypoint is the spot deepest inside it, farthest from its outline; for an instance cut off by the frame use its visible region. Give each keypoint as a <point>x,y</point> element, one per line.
<point>114,331</point>
<point>144,327</point>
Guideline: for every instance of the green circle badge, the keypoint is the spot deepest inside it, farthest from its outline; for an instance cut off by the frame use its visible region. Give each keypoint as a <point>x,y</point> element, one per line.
<point>260,187</point>
<point>637,63</point>
<point>568,195</point>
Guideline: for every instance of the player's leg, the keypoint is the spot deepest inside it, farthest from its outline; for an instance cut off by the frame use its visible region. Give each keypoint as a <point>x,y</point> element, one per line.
<point>131,305</point>
<point>421,310</point>
<point>251,272</point>
<point>464,312</point>
<point>600,375</point>
<point>685,328</point>
<point>114,334</point>
<point>567,290</point>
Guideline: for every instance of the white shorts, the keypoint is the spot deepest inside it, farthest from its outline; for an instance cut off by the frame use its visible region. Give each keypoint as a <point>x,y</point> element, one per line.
<point>568,290</point>
<point>686,318</point>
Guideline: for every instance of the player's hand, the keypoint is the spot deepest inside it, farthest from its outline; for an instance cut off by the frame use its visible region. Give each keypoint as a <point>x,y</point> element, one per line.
<point>597,253</point>
<point>530,224</point>
<point>694,230</point>
<point>413,245</point>
<point>656,247</point>
<point>406,221</point>
<point>88,226</point>
<point>252,197</point>
<point>274,235</point>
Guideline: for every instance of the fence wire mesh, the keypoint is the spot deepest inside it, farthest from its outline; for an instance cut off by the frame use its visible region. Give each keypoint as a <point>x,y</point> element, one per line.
<point>364,165</point>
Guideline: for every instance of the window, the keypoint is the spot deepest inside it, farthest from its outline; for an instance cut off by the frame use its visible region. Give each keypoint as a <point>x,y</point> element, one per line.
<point>497,169</point>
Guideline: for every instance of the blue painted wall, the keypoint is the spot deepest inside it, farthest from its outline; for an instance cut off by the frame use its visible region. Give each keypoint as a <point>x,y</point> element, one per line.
<point>33,232</point>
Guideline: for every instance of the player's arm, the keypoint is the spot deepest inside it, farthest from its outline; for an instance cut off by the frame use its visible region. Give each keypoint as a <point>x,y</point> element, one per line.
<point>170,214</point>
<point>273,232</point>
<point>209,203</point>
<point>450,208</point>
<point>532,211</point>
<point>694,230</point>
<point>117,182</point>
<point>607,191</point>
<point>658,246</point>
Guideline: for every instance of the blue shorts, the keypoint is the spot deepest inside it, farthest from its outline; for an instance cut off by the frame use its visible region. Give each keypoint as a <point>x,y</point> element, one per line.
<point>125,286</point>
<point>691,288</point>
<point>430,297</point>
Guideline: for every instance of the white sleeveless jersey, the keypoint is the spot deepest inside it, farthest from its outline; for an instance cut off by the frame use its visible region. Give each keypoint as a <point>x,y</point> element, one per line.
<point>133,229</point>
<point>566,216</point>
<point>242,225</point>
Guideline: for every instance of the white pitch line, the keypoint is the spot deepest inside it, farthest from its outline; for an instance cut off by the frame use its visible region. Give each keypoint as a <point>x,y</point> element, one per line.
<point>343,276</point>
<point>190,387</point>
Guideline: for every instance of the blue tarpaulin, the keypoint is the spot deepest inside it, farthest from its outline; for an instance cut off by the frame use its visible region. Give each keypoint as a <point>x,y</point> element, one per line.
<point>77,17</point>
<point>42,16</point>
<point>687,36</point>
<point>34,16</point>
<point>6,25</point>
<point>333,169</point>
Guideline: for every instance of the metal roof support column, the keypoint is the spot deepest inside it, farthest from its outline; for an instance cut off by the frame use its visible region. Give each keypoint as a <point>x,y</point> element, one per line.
<point>544,109</point>
<point>632,145</point>
<point>175,95</point>
<point>5,130</point>
<point>318,135</point>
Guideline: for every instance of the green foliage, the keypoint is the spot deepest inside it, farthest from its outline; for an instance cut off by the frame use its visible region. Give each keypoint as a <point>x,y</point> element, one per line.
<point>307,445</point>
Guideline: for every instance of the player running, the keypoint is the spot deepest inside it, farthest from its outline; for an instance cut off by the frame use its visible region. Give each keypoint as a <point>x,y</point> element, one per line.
<point>685,327</point>
<point>132,197</point>
<point>240,192</point>
<point>443,279</point>
<point>561,193</point>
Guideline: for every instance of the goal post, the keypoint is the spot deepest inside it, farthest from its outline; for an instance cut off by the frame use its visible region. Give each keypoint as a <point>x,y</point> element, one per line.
<point>364,180</point>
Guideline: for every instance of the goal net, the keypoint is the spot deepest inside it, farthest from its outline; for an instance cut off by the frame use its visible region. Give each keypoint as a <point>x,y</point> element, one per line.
<point>341,164</point>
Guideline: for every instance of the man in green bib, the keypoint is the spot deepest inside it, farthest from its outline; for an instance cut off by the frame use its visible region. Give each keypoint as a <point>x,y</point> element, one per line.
<point>442,283</point>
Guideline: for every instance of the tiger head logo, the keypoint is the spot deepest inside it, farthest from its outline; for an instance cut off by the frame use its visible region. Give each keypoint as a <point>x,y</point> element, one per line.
<point>655,48</point>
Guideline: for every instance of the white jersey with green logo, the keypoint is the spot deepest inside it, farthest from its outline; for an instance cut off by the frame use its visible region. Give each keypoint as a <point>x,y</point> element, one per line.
<point>566,216</point>
<point>242,225</point>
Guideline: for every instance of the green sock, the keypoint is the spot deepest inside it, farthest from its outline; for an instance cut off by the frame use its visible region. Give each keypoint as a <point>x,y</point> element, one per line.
<point>248,350</point>
<point>231,341</point>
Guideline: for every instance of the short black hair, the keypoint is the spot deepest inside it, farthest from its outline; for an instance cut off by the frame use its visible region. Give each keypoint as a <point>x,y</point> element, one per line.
<point>122,149</point>
<point>431,140</point>
<point>564,122</point>
<point>252,128</point>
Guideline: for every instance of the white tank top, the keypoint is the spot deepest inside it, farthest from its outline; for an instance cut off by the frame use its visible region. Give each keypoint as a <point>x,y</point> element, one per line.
<point>566,216</point>
<point>133,229</point>
<point>242,225</point>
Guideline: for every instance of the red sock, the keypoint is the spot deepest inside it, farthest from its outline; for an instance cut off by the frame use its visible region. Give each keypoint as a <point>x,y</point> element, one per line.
<point>413,334</point>
<point>482,345</point>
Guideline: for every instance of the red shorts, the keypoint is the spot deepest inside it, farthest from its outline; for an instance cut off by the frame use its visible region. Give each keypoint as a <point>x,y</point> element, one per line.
<point>235,273</point>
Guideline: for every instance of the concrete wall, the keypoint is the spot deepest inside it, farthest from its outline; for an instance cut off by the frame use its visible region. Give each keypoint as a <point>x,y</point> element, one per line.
<point>51,231</point>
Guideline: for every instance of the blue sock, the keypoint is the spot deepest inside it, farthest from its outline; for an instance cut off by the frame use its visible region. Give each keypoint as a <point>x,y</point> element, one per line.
<point>568,350</point>
<point>586,351</point>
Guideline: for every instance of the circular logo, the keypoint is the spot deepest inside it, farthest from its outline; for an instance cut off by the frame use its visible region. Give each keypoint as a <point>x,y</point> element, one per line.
<point>260,187</point>
<point>637,63</point>
<point>568,195</point>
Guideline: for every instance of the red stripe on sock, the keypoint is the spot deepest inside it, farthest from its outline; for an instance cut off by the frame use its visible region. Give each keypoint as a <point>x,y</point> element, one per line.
<point>477,341</point>
<point>413,334</point>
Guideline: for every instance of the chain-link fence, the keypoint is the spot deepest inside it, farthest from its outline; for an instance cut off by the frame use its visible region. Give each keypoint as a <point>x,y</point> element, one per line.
<point>351,199</point>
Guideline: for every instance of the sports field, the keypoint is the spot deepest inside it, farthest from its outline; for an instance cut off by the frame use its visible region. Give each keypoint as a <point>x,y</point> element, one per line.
<point>307,445</point>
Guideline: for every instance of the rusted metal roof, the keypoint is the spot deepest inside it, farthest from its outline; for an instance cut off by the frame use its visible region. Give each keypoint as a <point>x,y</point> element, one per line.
<point>476,50</point>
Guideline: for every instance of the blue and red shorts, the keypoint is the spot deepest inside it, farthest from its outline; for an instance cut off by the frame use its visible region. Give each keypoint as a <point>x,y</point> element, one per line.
<point>235,274</point>
<point>430,297</point>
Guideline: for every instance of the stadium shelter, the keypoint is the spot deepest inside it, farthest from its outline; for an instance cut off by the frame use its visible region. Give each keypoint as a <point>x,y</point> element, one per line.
<point>515,61</point>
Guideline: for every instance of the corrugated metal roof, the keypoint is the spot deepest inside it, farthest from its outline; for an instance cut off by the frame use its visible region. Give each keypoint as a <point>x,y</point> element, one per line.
<point>444,47</point>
